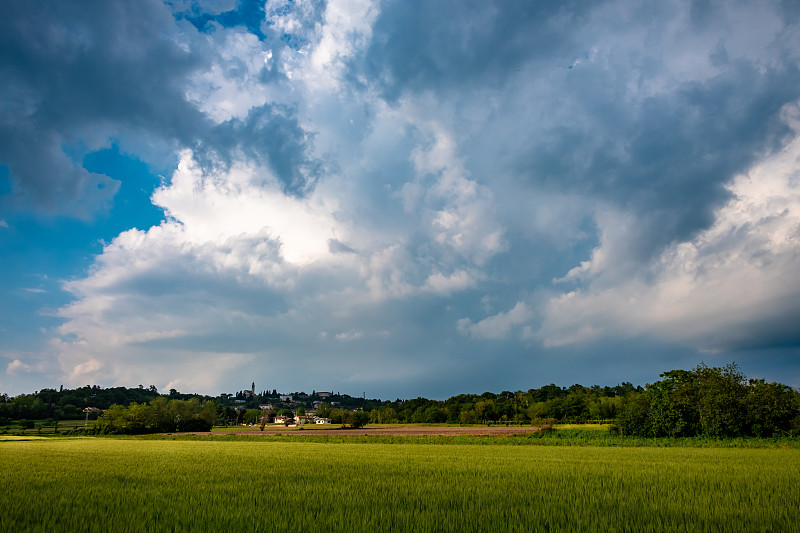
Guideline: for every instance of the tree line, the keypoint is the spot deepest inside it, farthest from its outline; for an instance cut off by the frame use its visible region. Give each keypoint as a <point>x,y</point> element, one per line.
<point>711,401</point>
<point>157,416</point>
<point>576,404</point>
<point>703,401</point>
<point>68,404</point>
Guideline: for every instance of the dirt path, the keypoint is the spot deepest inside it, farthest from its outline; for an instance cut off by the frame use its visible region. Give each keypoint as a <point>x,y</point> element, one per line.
<point>386,430</point>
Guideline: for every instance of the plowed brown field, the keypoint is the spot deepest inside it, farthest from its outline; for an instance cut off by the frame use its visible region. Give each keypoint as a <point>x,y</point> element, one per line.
<point>384,430</point>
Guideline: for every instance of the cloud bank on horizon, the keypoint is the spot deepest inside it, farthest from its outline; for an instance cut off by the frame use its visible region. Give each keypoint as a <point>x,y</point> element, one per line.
<point>400,197</point>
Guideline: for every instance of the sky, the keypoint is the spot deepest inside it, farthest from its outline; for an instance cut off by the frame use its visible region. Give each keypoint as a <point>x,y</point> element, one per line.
<point>397,198</point>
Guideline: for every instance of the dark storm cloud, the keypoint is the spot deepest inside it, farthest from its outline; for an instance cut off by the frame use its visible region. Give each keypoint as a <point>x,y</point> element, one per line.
<point>71,71</point>
<point>630,129</point>
<point>668,162</point>
<point>270,135</point>
<point>419,45</point>
<point>76,75</point>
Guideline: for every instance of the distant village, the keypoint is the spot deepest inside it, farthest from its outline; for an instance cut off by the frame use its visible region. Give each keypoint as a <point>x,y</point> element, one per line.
<point>289,409</point>
<point>248,407</point>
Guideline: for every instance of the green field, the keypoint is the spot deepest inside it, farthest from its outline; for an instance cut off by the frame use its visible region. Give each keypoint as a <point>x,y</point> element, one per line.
<point>255,484</point>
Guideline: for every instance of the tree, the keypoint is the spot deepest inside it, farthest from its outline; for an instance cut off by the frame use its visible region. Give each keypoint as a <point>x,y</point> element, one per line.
<point>209,412</point>
<point>634,417</point>
<point>720,400</point>
<point>252,416</point>
<point>139,418</point>
<point>673,405</point>
<point>574,404</point>
<point>435,415</point>
<point>113,420</point>
<point>771,408</point>
<point>468,416</point>
<point>484,409</point>
<point>358,419</point>
<point>339,416</point>
<point>266,417</point>
<point>383,415</point>
<point>163,415</point>
<point>324,410</point>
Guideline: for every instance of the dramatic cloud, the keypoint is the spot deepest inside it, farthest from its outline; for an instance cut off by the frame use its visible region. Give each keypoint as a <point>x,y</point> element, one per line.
<point>735,285</point>
<point>406,197</point>
<point>75,76</point>
<point>78,77</point>
<point>239,265</point>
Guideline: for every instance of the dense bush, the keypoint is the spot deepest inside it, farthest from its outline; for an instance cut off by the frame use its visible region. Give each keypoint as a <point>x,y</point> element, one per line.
<point>160,415</point>
<point>715,402</point>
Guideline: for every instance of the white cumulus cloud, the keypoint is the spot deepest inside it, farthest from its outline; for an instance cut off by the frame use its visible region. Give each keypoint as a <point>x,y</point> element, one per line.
<point>497,326</point>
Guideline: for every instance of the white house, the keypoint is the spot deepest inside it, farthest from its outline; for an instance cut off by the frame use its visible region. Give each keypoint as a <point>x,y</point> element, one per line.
<point>322,420</point>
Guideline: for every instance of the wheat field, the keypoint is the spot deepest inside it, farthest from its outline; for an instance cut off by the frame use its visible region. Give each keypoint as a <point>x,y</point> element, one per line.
<point>94,484</point>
